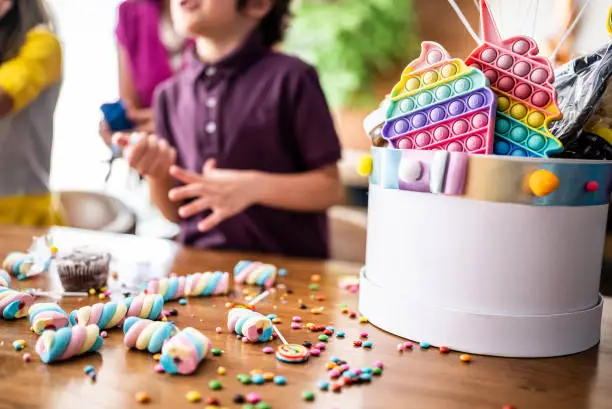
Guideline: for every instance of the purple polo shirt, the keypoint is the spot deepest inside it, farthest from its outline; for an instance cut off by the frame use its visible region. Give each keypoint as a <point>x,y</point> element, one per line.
<point>137,31</point>
<point>255,109</point>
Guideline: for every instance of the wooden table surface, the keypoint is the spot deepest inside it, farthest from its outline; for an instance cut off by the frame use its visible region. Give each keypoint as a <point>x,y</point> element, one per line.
<point>419,379</point>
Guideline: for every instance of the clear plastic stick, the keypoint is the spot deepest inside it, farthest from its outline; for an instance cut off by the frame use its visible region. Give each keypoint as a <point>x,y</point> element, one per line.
<point>466,23</point>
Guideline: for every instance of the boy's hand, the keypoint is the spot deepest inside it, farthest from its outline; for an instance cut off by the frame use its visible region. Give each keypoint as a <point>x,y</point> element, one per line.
<point>147,154</point>
<point>225,192</point>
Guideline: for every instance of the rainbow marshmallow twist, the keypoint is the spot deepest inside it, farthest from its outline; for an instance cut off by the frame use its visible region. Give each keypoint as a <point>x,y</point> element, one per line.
<point>68,342</point>
<point>147,335</point>
<point>47,316</point>
<point>113,314</point>
<point>5,279</point>
<point>255,273</point>
<point>250,324</point>
<point>18,264</point>
<point>14,304</point>
<point>182,353</point>
<point>523,83</point>
<point>192,285</point>
<point>441,104</point>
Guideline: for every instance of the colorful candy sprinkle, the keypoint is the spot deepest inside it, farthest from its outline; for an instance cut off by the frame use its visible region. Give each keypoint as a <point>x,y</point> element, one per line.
<point>363,320</point>
<point>193,396</point>
<point>425,345</point>
<point>357,343</point>
<point>218,330</point>
<point>263,405</point>
<point>308,396</point>
<point>337,388</point>
<point>295,325</point>
<point>217,352</point>
<point>465,358</point>
<point>89,368</point>
<point>268,376</point>
<point>142,397</point>
<point>282,272</point>
<point>159,368</point>
<point>341,334</point>
<point>211,400</point>
<point>215,385</point>
<point>27,357</point>
<point>221,370</point>
<point>280,380</point>
<point>253,397</point>
<point>313,287</point>
<point>323,385</point>
<point>243,379</point>
<point>315,351</point>
<point>367,344</point>
<point>267,350</point>
<point>323,338</point>
<point>258,379</point>
<point>444,350</point>
<point>238,398</point>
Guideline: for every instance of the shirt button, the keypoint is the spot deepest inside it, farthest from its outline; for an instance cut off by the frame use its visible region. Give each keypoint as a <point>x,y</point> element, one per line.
<point>210,71</point>
<point>211,127</point>
<point>211,102</point>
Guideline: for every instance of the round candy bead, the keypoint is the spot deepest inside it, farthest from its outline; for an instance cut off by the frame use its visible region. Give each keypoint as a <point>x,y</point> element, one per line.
<point>444,349</point>
<point>257,379</point>
<point>542,182</point>
<point>522,91</point>
<point>538,75</point>
<point>449,70</point>
<point>323,385</point>
<point>193,396</point>
<point>535,119</point>
<point>268,350</point>
<point>323,338</point>
<point>505,61</point>
<point>308,395</point>
<point>520,47</point>
<point>280,380</point>
<point>521,68</point>
<point>540,99</point>
<point>315,351</point>
<point>465,358</point>
<point>488,55</point>
<point>321,346</point>
<point>215,385</point>
<point>253,397</point>
<point>340,334</point>
<point>425,345</point>
<point>367,344</point>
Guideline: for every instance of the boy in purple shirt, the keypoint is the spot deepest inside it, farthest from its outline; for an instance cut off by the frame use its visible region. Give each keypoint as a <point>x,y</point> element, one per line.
<point>246,131</point>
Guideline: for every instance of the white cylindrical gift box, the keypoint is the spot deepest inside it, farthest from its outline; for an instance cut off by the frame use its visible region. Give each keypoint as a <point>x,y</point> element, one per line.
<point>485,277</point>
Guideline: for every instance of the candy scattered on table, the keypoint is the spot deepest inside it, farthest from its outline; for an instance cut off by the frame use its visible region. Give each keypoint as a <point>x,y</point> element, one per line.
<point>182,301</point>
<point>27,357</point>
<point>193,396</point>
<point>280,380</point>
<point>238,398</point>
<point>341,334</point>
<point>308,396</point>
<point>282,272</point>
<point>425,345</point>
<point>465,358</point>
<point>444,350</point>
<point>216,352</point>
<point>221,370</point>
<point>268,350</point>
<point>19,344</point>
<point>253,397</point>
<point>323,338</point>
<point>142,397</point>
<point>323,385</point>
<point>258,379</point>
<point>367,344</point>
<point>363,320</point>
<point>215,385</point>
<point>243,379</point>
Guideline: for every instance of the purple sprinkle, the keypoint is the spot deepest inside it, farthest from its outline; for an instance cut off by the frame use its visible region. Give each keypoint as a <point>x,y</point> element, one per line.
<point>456,108</point>
<point>475,101</point>
<point>419,120</point>
<point>437,114</point>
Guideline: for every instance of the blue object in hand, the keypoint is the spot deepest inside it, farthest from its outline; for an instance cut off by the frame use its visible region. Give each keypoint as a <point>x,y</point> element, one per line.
<point>115,116</point>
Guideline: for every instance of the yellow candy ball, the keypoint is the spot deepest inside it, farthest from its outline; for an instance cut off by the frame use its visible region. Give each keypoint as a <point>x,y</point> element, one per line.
<point>268,376</point>
<point>364,167</point>
<point>276,320</point>
<point>92,291</point>
<point>543,182</point>
<point>101,296</point>
<point>465,358</point>
<point>535,119</point>
<point>518,111</point>
<point>221,370</point>
<point>503,104</point>
<point>363,320</point>
<point>193,396</point>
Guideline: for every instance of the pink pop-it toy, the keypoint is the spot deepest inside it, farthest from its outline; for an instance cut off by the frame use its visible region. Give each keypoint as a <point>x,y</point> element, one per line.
<point>441,104</point>
<point>523,82</point>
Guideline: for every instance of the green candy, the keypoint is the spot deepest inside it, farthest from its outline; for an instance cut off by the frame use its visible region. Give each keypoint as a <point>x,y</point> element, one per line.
<point>244,379</point>
<point>215,385</point>
<point>263,405</point>
<point>313,287</point>
<point>377,371</point>
<point>217,351</point>
<point>323,338</point>
<point>308,395</point>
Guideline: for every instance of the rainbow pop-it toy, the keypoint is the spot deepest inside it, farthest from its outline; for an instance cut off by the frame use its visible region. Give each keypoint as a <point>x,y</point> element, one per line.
<point>523,82</point>
<point>441,104</point>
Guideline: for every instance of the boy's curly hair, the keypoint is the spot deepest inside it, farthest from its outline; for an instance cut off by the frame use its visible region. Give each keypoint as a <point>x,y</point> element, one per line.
<point>273,26</point>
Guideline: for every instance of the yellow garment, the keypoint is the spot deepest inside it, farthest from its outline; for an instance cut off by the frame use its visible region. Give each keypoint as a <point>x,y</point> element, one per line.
<point>37,66</point>
<point>40,211</point>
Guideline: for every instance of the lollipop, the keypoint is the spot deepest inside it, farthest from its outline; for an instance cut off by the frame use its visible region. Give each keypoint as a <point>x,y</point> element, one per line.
<point>523,83</point>
<point>112,314</point>
<point>291,353</point>
<point>14,304</point>
<point>250,324</point>
<point>5,279</point>
<point>255,273</point>
<point>68,342</point>
<point>182,353</point>
<point>206,284</point>
<point>47,316</point>
<point>147,335</point>
<point>18,264</point>
<point>441,104</point>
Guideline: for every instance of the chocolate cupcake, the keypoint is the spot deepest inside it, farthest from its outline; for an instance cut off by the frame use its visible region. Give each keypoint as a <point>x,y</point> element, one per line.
<point>81,270</point>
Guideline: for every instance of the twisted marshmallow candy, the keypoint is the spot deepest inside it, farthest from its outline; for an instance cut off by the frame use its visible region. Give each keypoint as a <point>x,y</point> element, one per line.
<point>112,314</point>
<point>14,304</point>
<point>18,264</point>
<point>68,342</point>
<point>47,316</point>
<point>255,273</point>
<point>192,285</point>
<point>5,279</point>
<point>183,352</point>
<point>147,335</point>
<point>250,324</point>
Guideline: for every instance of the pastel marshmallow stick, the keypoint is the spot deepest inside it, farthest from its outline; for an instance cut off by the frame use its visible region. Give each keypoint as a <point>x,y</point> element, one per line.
<point>113,314</point>
<point>183,353</point>
<point>14,304</point>
<point>66,343</point>
<point>255,273</point>
<point>250,324</point>
<point>147,335</point>
<point>170,288</point>
<point>47,316</point>
<point>206,284</point>
<point>18,264</point>
<point>5,279</point>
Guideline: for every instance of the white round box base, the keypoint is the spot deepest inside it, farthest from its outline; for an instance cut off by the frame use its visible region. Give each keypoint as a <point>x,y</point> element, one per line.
<point>519,336</point>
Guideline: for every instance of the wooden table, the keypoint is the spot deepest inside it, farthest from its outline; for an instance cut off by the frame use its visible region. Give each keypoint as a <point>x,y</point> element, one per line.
<point>418,379</point>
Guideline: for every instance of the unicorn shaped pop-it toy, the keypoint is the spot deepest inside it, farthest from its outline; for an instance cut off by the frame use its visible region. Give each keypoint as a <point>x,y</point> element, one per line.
<point>523,82</point>
<point>441,104</point>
